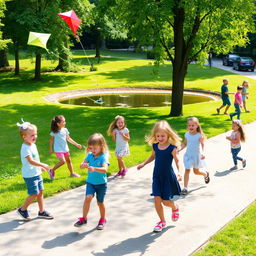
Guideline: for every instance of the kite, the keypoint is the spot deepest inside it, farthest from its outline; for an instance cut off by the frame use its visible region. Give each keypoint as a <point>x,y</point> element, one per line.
<point>38,39</point>
<point>71,19</point>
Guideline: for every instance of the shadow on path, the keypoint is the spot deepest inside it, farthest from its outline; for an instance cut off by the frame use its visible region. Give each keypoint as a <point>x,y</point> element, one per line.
<point>131,245</point>
<point>226,172</point>
<point>66,239</point>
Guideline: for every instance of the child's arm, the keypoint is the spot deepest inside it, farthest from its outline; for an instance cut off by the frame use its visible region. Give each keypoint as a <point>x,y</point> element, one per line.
<point>50,144</point>
<point>150,159</point>
<point>84,165</point>
<point>102,169</point>
<point>36,163</point>
<point>202,140</point>
<point>73,142</point>
<point>177,162</point>
<point>183,145</point>
<point>126,136</point>
<point>237,138</point>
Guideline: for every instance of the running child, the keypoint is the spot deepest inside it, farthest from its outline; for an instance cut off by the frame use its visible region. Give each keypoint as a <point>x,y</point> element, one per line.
<point>31,171</point>
<point>97,163</point>
<point>165,184</point>
<point>120,134</point>
<point>225,97</point>
<point>59,137</point>
<point>238,103</point>
<point>246,86</point>
<point>235,139</point>
<point>194,156</point>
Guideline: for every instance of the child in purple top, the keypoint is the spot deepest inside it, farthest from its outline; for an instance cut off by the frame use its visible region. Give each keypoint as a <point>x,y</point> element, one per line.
<point>238,103</point>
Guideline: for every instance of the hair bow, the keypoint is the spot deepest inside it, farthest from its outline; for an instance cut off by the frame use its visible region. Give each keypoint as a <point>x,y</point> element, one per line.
<point>24,125</point>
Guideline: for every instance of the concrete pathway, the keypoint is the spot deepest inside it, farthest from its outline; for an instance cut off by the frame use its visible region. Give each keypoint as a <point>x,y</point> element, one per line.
<point>131,215</point>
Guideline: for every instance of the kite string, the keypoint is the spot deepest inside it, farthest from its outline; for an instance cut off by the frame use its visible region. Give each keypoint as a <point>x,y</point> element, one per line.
<point>84,51</point>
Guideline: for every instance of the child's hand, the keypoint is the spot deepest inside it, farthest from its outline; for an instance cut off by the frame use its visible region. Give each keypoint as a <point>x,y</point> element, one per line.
<point>79,146</point>
<point>45,167</point>
<point>179,177</point>
<point>91,169</point>
<point>140,166</point>
<point>228,137</point>
<point>121,133</point>
<point>202,157</point>
<point>83,165</point>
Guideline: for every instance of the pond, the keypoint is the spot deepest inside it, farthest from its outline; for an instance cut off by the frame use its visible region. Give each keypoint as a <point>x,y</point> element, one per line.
<point>134,100</point>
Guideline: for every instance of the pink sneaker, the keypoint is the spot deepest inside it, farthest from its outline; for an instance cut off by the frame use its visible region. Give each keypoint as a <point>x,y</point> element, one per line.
<point>51,173</point>
<point>175,214</point>
<point>74,174</point>
<point>101,224</point>
<point>124,171</point>
<point>159,226</point>
<point>119,174</point>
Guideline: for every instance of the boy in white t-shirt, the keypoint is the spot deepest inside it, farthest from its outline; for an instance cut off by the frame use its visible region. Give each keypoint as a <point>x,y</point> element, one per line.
<point>31,171</point>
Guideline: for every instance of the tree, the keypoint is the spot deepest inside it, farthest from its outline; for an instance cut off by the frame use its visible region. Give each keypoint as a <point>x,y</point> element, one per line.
<point>3,43</point>
<point>185,30</point>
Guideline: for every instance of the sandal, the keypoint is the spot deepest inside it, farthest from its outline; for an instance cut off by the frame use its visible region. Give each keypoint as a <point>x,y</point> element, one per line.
<point>159,226</point>
<point>207,178</point>
<point>175,214</point>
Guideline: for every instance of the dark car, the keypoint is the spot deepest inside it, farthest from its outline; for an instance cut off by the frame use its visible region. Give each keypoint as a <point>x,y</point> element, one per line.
<point>244,63</point>
<point>229,59</point>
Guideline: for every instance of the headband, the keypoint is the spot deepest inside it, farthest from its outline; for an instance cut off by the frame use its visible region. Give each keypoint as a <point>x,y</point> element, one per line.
<point>24,125</point>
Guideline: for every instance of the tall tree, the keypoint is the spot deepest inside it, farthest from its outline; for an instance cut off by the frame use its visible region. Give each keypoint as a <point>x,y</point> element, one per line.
<point>185,30</point>
<point>3,43</point>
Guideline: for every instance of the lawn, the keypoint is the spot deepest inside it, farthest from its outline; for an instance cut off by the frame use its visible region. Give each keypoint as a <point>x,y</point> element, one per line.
<point>21,97</point>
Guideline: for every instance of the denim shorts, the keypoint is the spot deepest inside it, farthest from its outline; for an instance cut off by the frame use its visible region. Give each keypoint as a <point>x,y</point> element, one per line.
<point>100,191</point>
<point>34,184</point>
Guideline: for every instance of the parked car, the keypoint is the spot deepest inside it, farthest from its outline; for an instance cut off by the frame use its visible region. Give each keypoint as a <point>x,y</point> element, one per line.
<point>229,59</point>
<point>244,63</point>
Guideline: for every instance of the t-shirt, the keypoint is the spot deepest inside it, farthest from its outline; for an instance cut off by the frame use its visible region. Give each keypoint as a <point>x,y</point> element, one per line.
<point>60,140</point>
<point>224,89</point>
<point>238,98</point>
<point>29,170</point>
<point>120,142</point>
<point>97,178</point>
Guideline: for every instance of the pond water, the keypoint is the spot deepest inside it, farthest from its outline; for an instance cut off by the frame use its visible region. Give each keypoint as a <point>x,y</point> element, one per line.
<point>134,100</point>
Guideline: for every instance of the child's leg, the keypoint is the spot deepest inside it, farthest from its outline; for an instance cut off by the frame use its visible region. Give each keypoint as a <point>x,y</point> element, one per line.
<point>102,210</point>
<point>170,204</point>
<point>120,163</point>
<point>198,172</point>
<point>86,206</point>
<point>235,152</point>
<point>244,105</point>
<point>69,164</point>
<point>159,207</point>
<point>226,109</point>
<point>186,177</point>
<point>28,201</point>
<point>40,201</point>
<point>60,163</point>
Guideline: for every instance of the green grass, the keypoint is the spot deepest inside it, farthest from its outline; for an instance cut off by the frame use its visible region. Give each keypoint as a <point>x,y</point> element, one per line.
<point>238,238</point>
<point>21,97</point>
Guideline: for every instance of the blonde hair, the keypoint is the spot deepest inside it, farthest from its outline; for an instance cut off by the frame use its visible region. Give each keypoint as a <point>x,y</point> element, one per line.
<point>225,79</point>
<point>97,139</point>
<point>162,125</point>
<point>240,128</point>
<point>199,128</point>
<point>113,125</point>
<point>246,81</point>
<point>24,131</point>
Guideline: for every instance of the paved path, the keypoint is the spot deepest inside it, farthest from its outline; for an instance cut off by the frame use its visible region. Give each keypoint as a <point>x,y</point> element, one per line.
<point>131,215</point>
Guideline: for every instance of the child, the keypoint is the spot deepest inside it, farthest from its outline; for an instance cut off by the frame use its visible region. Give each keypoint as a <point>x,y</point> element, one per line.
<point>165,184</point>
<point>225,97</point>
<point>235,138</point>
<point>120,134</point>
<point>193,157</point>
<point>96,162</point>
<point>237,103</point>
<point>245,85</point>
<point>59,137</point>
<point>31,171</point>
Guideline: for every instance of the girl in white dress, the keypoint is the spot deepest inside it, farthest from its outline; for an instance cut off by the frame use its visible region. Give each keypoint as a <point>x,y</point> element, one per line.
<point>120,134</point>
<point>194,157</point>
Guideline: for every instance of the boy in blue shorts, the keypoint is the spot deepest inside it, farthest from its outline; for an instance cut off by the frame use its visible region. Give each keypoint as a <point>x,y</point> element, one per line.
<point>31,171</point>
<point>225,97</point>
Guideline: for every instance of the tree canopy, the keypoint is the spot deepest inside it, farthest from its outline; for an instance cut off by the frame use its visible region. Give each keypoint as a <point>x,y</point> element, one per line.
<point>185,30</point>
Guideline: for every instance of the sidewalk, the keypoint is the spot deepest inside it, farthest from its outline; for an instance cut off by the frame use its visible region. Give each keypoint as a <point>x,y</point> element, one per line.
<point>131,215</point>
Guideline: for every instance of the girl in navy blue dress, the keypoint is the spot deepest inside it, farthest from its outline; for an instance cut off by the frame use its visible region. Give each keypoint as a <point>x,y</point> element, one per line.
<point>165,183</point>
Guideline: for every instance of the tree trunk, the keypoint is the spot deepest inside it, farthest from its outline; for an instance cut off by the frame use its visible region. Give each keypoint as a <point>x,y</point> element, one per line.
<point>17,61</point>
<point>38,67</point>
<point>178,77</point>
<point>3,59</point>
<point>63,64</point>
<point>97,43</point>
